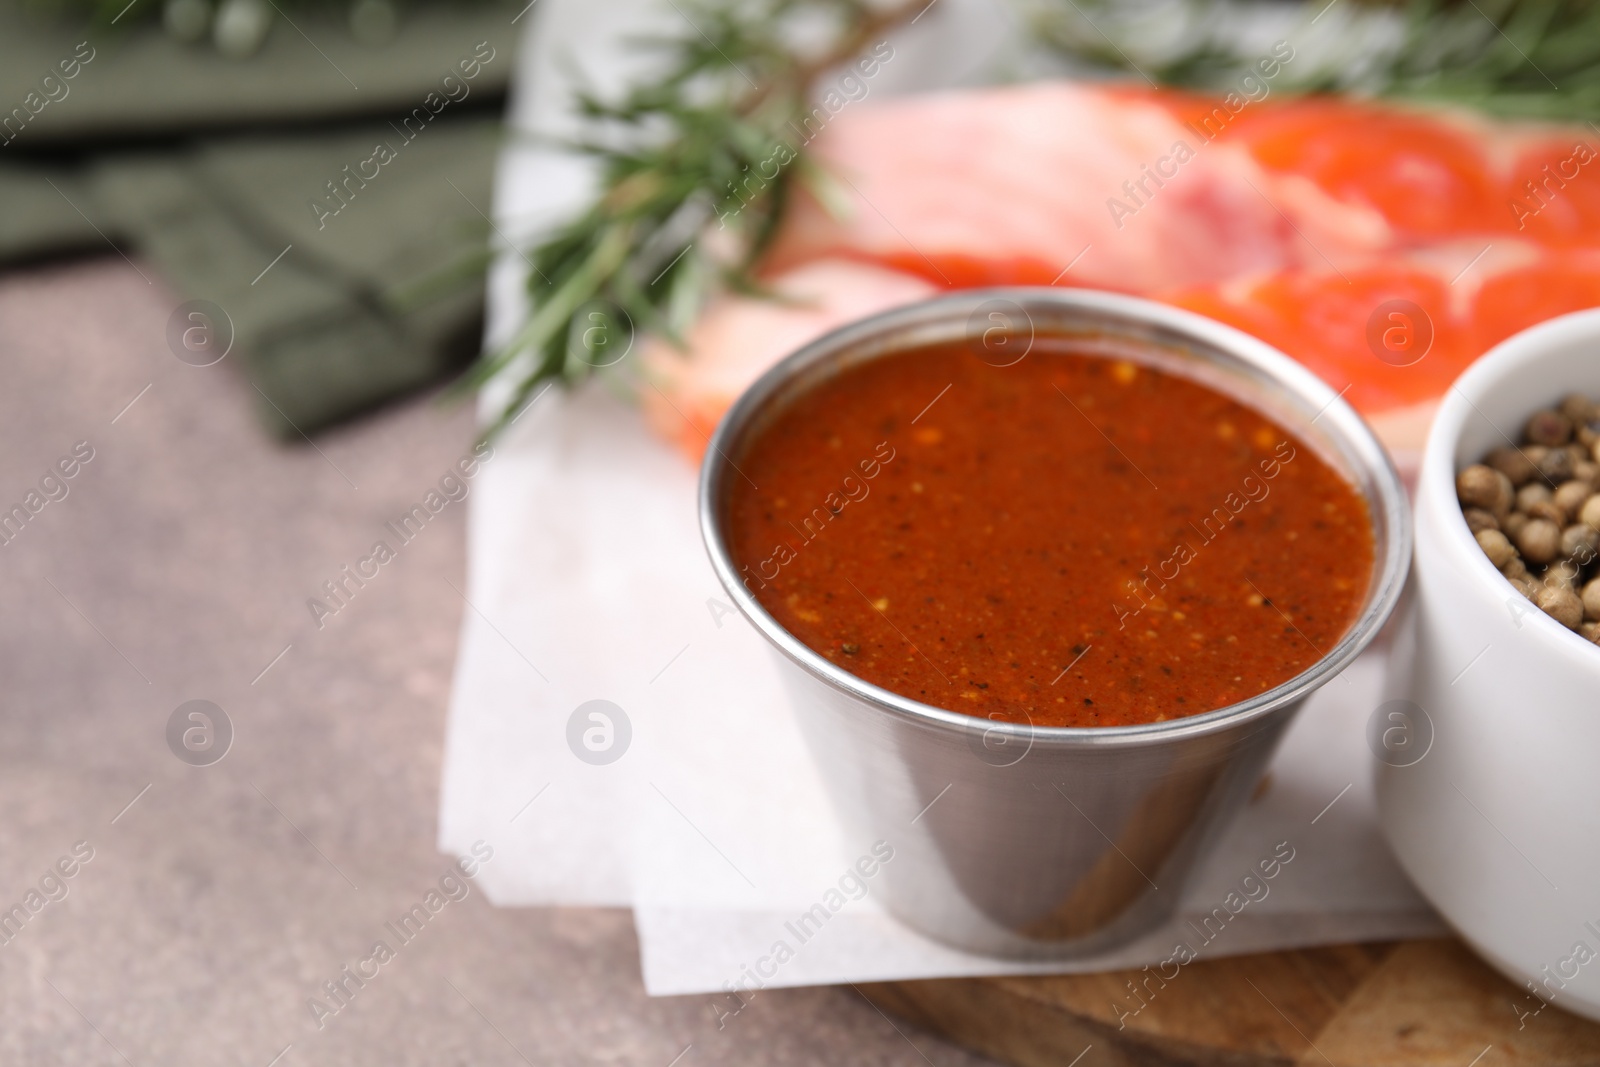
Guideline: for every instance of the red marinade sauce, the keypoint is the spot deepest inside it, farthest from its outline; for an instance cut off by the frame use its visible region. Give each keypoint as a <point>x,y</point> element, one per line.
<point>1072,540</point>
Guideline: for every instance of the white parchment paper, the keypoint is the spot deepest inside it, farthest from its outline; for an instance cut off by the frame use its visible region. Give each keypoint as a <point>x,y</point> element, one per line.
<point>587,581</point>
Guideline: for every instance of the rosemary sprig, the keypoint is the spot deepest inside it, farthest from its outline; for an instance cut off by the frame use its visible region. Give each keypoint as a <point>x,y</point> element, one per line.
<point>710,147</point>
<point>1517,58</point>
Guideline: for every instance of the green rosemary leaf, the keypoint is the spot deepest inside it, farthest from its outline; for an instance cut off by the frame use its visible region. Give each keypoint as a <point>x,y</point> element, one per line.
<point>685,280</point>
<point>711,145</point>
<point>1518,58</point>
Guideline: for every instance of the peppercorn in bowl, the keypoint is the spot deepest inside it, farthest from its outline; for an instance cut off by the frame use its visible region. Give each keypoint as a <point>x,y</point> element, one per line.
<point>1490,799</point>
<point>1533,506</point>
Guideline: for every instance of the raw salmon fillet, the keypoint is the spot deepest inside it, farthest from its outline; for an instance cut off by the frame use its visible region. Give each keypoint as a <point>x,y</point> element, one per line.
<point>1326,319</point>
<point>1012,186</point>
<point>1298,221</point>
<point>1434,175</point>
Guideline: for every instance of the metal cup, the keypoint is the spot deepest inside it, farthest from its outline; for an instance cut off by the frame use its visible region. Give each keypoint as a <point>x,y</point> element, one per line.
<point>1050,842</point>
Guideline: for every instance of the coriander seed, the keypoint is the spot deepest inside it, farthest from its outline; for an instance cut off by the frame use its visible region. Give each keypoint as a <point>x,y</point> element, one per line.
<point>1570,496</point>
<point>1531,494</point>
<point>1546,427</point>
<point>1496,547</point>
<point>1483,487</point>
<point>1579,541</point>
<point>1555,466</point>
<point>1561,604</point>
<point>1514,464</point>
<point>1577,408</point>
<point>1590,512</point>
<point>1539,541</point>
<point>1548,509</point>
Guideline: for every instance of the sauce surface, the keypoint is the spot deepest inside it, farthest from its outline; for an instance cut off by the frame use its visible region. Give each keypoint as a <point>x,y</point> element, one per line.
<point>1068,541</point>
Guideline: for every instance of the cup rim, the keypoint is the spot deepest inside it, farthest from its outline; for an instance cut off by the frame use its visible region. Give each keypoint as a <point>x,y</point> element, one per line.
<point>1386,501</point>
<point>1437,479</point>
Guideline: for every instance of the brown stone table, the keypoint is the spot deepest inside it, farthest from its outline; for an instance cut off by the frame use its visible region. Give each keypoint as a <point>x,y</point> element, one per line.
<point>218,899</point>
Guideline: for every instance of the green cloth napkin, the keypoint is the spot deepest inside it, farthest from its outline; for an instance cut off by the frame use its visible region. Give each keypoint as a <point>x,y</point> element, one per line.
<point>333,311</point>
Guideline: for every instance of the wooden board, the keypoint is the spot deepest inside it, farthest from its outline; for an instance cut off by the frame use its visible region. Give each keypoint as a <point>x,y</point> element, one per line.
<point>1392,1004</point>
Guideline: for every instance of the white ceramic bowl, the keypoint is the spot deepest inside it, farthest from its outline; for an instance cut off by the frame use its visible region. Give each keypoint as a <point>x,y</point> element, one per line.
<point>1498,821</point>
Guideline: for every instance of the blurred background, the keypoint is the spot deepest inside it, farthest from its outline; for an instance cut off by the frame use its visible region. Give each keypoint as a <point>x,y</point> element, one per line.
<point>171,160</point>
<point>242,252</point>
